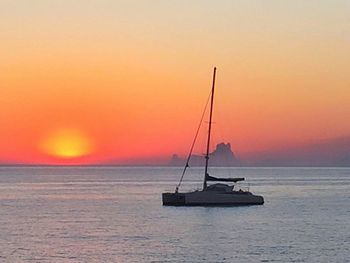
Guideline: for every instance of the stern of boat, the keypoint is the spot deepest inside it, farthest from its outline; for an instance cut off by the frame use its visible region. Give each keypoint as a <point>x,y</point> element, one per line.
<point>173,199</point>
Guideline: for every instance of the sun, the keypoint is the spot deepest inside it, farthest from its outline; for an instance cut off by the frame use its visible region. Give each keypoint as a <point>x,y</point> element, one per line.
<point>67,143</point>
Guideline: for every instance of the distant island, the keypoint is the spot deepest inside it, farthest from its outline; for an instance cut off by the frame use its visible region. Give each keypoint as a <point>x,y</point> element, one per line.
<point>221,156</point>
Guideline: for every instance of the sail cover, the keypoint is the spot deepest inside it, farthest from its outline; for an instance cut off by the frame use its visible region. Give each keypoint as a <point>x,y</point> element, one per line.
<point>212,178</point>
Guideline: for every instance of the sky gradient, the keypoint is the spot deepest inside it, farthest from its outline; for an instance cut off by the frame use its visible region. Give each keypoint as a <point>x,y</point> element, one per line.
<point>99,81</point>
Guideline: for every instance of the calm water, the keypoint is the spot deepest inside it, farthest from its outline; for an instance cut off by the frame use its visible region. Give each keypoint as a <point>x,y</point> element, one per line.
<point>115,215</point>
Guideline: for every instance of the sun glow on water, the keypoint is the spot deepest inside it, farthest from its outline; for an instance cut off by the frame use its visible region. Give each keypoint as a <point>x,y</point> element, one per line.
<point>67,143</point>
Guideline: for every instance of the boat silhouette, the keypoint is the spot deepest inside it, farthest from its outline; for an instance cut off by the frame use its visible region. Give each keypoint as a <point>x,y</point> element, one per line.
<point>217,194</point>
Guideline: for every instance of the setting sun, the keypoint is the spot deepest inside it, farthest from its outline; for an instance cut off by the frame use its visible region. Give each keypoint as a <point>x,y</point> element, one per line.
<point>67,143</point>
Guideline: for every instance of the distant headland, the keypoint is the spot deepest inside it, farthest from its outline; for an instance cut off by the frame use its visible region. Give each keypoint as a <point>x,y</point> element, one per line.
<point>221,156</point>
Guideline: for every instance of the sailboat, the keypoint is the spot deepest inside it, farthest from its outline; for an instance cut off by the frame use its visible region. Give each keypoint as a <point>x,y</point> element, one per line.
<point>217,194</point>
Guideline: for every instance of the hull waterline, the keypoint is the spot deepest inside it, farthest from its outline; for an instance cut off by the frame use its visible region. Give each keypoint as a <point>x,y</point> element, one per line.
<point>204,198</point>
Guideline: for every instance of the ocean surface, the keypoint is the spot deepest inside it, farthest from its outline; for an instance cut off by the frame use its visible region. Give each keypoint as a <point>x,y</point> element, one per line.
<point>115,214</point>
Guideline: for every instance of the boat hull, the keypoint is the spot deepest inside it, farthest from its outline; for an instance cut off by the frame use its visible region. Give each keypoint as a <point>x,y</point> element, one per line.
<point>207,198</point>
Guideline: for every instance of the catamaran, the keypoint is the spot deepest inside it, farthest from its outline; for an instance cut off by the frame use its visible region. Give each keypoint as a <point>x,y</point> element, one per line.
<point>217,194</point>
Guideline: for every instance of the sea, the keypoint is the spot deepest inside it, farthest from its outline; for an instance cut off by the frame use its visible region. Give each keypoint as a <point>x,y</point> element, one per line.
<point>115,214</point>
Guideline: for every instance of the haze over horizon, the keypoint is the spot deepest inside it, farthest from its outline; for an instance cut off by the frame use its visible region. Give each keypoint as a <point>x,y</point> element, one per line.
<point>90,82</point>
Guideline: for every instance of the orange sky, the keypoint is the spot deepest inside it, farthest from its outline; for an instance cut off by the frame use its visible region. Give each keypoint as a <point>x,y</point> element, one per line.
<point>114,80</point>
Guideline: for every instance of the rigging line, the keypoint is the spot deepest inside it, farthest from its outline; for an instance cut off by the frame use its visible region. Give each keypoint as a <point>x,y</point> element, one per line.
<point>193,143</point>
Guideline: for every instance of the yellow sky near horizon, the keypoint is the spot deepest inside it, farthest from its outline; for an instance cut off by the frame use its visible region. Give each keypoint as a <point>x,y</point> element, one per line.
<point>133,76</point>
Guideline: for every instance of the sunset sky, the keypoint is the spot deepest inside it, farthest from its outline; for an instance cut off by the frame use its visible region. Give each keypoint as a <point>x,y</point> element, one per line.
<point>99,81</point>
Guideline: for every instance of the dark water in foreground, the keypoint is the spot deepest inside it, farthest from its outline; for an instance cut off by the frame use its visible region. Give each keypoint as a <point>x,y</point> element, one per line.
<point>113,214</point>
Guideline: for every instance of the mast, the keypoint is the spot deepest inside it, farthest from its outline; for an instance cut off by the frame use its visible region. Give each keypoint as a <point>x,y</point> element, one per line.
<point>206,175</point>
